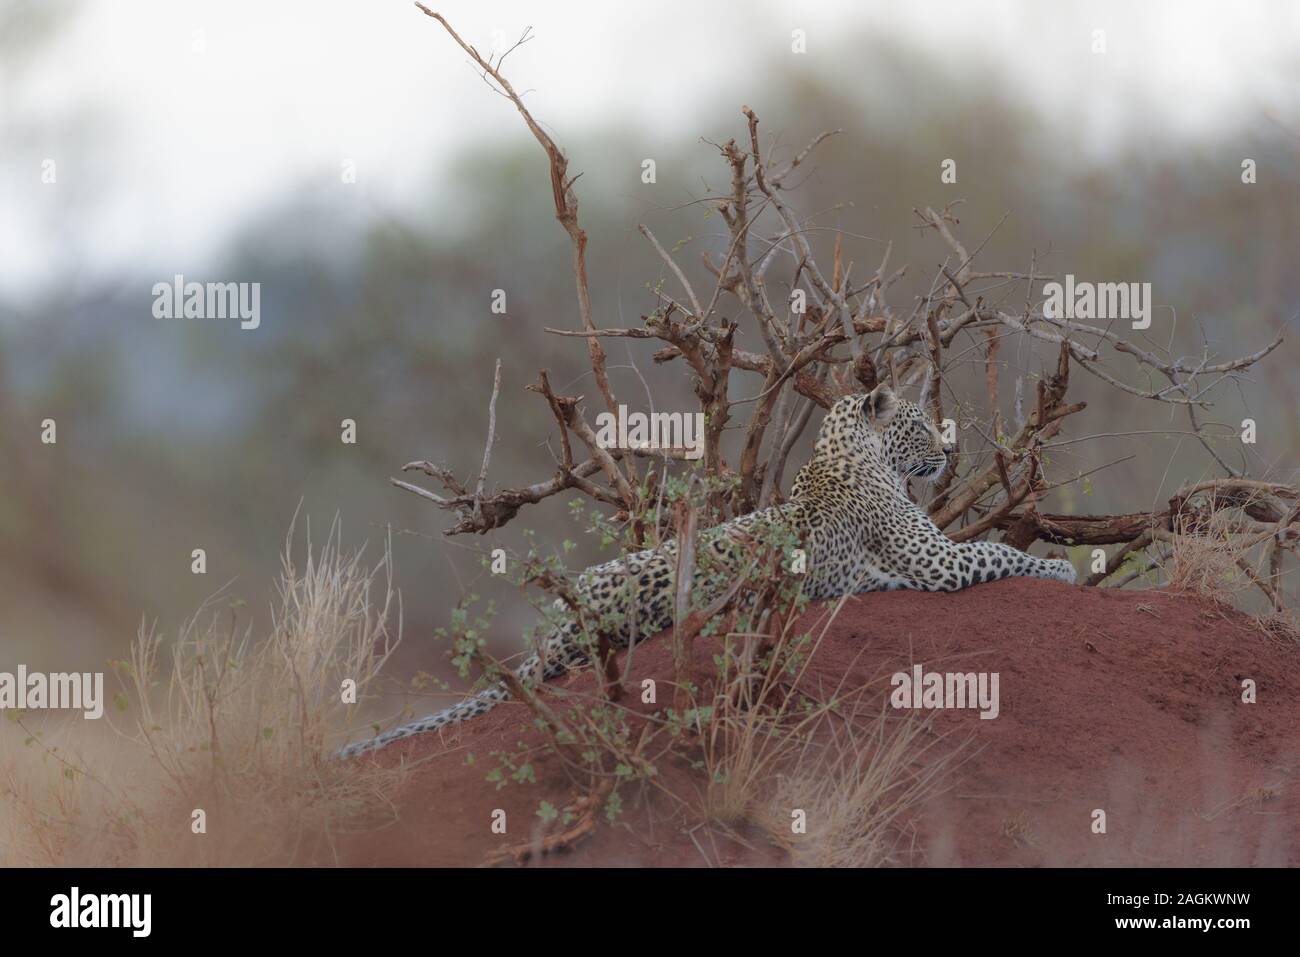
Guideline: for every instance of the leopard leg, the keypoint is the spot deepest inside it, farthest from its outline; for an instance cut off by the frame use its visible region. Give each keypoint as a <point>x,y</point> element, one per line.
<point>991,561</point>
<point>927,560</point>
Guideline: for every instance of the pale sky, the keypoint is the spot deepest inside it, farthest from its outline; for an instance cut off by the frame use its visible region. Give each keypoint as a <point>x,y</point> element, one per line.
<point>210,111</point>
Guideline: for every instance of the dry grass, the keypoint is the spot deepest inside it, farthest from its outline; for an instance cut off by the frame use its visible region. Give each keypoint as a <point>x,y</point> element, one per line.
<point>858,791</point>
<point>237,727</point>
<point>1232,571</point>
<point>1282,625</point>
<point>855,774</point>
<point>756,726</point>
<point>1207,564</point>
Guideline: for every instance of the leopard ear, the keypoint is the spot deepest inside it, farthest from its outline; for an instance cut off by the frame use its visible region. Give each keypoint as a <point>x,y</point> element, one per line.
<point>880,405</point>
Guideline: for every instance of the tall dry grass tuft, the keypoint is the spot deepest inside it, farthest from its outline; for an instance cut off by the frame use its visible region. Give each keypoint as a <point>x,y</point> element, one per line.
<point>1234,562</point>
<point>858,789</point>
<point>236,727</point>
<point>1208,564</point>
<point>755,726</point>
<point>770,749</point>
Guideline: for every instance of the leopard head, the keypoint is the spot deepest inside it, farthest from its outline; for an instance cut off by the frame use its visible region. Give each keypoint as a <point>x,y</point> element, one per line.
<point>913,445</point>
<point>883,428</point>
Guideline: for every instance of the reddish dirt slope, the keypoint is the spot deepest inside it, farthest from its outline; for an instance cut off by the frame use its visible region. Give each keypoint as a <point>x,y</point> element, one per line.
<point>1125,701</point>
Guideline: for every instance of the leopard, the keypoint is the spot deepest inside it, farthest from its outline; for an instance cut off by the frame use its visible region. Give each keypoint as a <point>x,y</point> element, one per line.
<point>848,508</point>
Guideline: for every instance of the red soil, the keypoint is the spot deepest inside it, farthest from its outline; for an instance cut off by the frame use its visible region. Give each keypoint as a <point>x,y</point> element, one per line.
<point>1125,701</point>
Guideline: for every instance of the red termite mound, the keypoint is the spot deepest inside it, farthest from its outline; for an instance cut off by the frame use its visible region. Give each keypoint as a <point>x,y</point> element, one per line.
<point>1128,702</point>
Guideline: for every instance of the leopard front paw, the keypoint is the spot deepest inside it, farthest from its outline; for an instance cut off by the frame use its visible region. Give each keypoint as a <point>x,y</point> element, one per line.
<point>1064,570</point>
